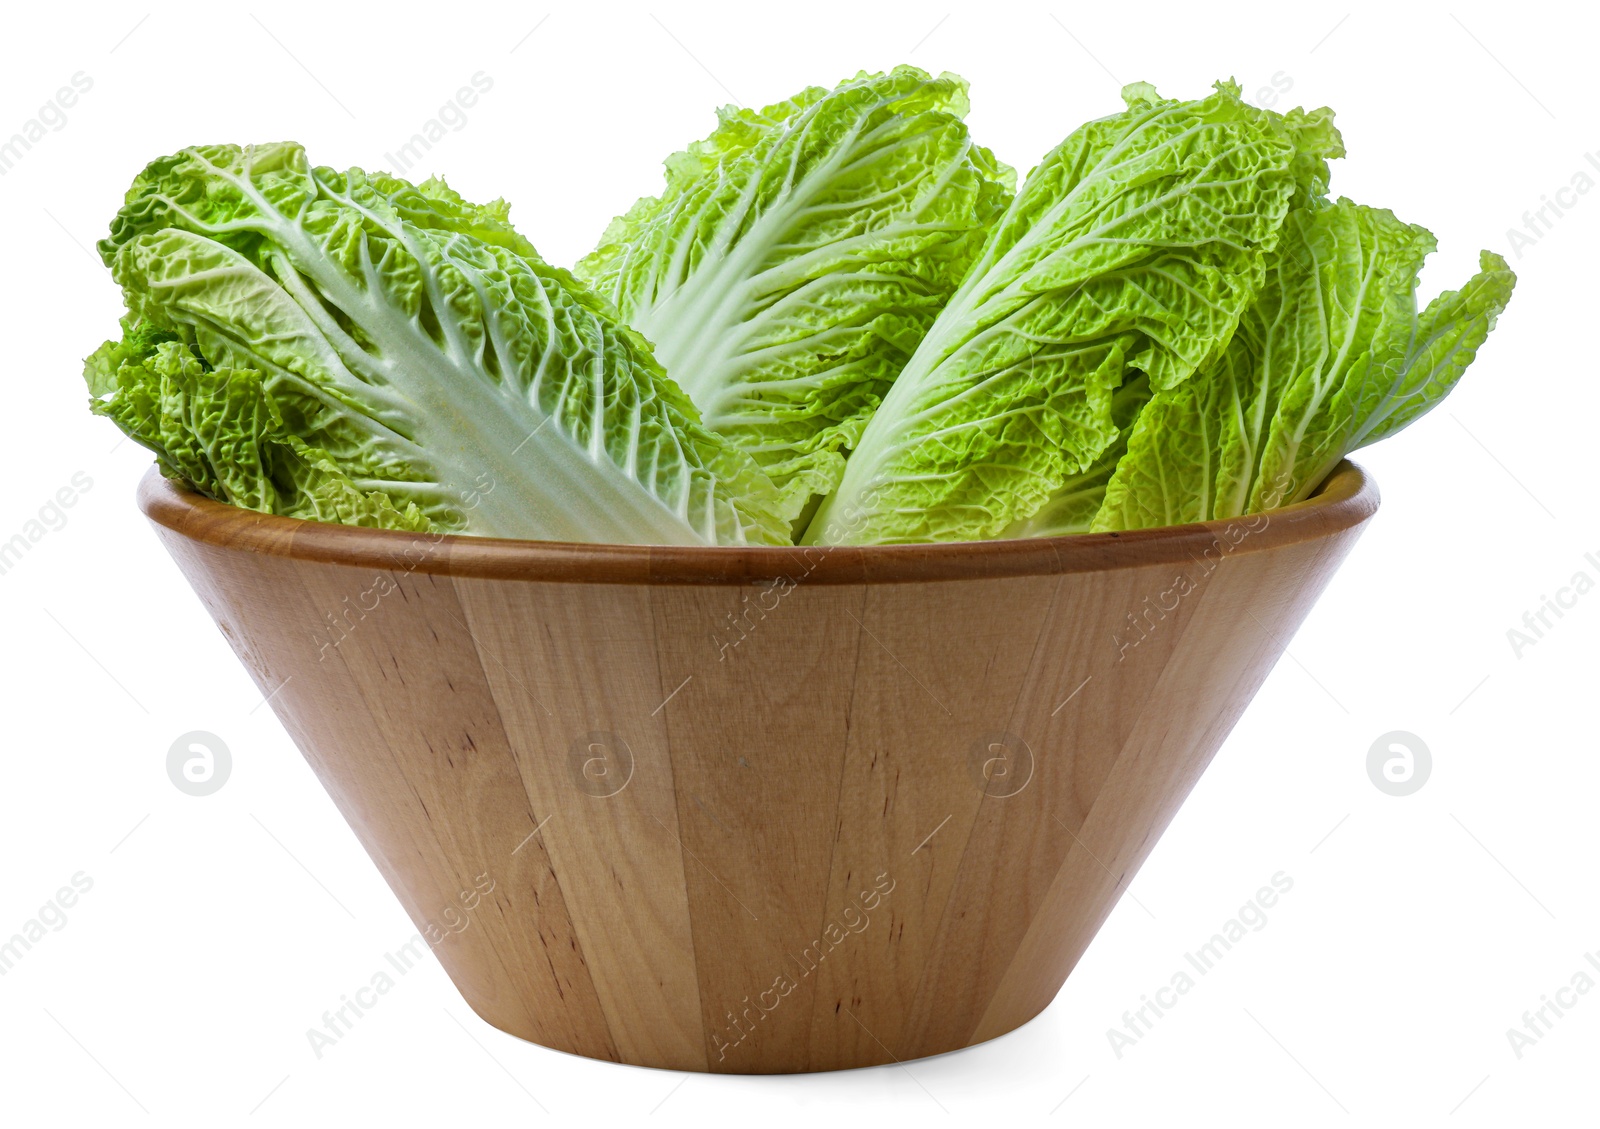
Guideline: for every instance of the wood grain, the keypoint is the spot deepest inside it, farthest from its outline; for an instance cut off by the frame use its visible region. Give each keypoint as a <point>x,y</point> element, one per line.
<point>759,810</point>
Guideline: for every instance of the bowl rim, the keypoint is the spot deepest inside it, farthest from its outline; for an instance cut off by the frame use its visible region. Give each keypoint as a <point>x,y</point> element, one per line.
<point>1346,498</point>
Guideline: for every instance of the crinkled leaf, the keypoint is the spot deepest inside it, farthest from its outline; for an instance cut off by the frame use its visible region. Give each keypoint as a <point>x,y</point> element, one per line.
<point>1329,356</point>
<point>1415,362</point>
<point>1134,246</point>
<point>219,430</point>
<point>799,254</point>
<point>420,344</point>
<point>1073,507</point>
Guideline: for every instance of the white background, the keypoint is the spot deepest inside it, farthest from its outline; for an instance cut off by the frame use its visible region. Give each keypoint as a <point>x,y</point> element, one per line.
<point>1419,929</point>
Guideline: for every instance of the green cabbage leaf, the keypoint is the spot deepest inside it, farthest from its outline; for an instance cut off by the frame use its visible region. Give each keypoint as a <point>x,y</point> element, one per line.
<point>1133,248</point>
<point>348,346</point>
<point>797,256</point>
<point>1332,356</point>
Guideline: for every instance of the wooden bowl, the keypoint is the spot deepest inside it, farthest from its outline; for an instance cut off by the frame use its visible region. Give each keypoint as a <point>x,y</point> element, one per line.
<point>758,810</point>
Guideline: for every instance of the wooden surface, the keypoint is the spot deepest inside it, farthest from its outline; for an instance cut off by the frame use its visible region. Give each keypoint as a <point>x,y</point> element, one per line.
<point>1347,497</point>
<point>759,810</point>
